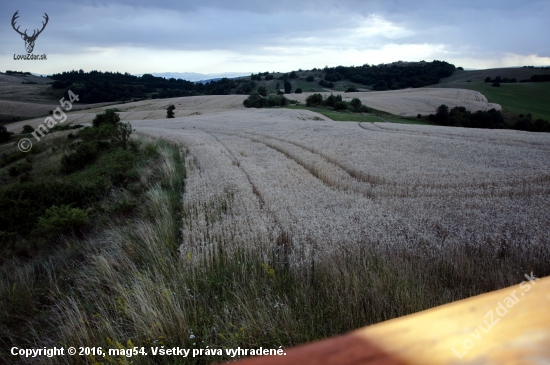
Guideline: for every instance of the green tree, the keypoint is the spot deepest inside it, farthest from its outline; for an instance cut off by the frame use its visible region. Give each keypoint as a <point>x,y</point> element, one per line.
<point>356,103</point>
<point>288,87</point>
<point>442,115</point>
<point>170,111</point>
<point>314,100</point>
<point>310,78</point>
<point>298,91</point>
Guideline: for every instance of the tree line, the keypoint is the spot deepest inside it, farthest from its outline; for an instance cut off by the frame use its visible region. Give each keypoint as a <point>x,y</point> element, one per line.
<point>393,76</point>
<point>97,86</point>
<point>489,119</point>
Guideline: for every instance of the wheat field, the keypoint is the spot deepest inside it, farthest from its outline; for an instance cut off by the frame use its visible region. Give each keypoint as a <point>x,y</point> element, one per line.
<point>329,185</point>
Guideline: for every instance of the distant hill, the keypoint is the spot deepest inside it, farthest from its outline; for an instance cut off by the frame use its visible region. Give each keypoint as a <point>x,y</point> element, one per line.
<point>519,73</point>
<point>199,77</point>
<point>517,98</point>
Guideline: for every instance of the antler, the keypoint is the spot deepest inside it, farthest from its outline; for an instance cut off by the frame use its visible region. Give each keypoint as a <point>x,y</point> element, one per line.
<point>34,34</point>
<point>15,16</point>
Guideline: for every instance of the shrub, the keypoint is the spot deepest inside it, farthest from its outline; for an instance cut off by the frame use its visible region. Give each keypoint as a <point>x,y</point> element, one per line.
<point>352,89</point>
<point>310,78</point>
<point>488,79</point>
<point>27,129</point>
<point>255,100</point>
<point>63,219</point>
<point>330,101</point>
<point>22,204</point>
<point>355,103</point>
<point>108,117</point>
<point>108,126</point>
<point>298,91</point>
<point>278,100</point>
<point>364,109</point>
<point>262,91</point>
<point>20,168</point>
<point>5,136</point>
<point>85,154</point>
<point>314,99</point>
<point>496,84</point>
<point>268,77</point>
<point>341,105</point>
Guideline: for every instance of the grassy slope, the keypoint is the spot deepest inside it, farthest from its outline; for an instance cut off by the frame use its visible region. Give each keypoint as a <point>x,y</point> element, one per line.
<point>346,116</point>
<point>519,98</point>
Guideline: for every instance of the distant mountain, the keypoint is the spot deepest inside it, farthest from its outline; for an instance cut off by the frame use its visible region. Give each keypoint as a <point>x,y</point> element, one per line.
<point>193,76</point>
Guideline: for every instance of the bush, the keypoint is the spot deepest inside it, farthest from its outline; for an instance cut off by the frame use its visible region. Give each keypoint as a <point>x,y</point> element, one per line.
<point>269,77</point>
<point>20,168</point>
<point>355,103</point>
<point>298,91</point>
<point>340,105</point>
<point>364,109</point>
<point>496,84</point>
<point>63,220</point>
<point>314,100</point>
<point>85,154</point>
<point>27,129</point>
<point>108,117</point>
<point>278,100</point>
<point>262,91</point>
<point>330,101</point>
<point>352,90</point>
<point>310,78</point>
<point>24,203</point>
<point>5,136</point>
<point>255,100</point>
<point>108,126</point>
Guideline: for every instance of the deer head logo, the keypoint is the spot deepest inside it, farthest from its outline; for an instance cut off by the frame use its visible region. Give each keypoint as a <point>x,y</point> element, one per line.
<point>29,40</point>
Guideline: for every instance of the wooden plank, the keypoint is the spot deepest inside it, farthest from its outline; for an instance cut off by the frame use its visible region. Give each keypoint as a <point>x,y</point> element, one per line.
<point>508,326</point>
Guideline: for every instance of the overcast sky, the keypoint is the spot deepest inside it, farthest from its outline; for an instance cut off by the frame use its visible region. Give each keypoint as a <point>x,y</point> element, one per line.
<point>213,36</point>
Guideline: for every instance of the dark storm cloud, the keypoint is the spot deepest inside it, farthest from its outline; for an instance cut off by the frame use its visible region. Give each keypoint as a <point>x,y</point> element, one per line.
<point>473,28</point>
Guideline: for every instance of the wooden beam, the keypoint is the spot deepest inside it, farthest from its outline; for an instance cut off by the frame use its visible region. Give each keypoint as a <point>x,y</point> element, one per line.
<point>508,326</point>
